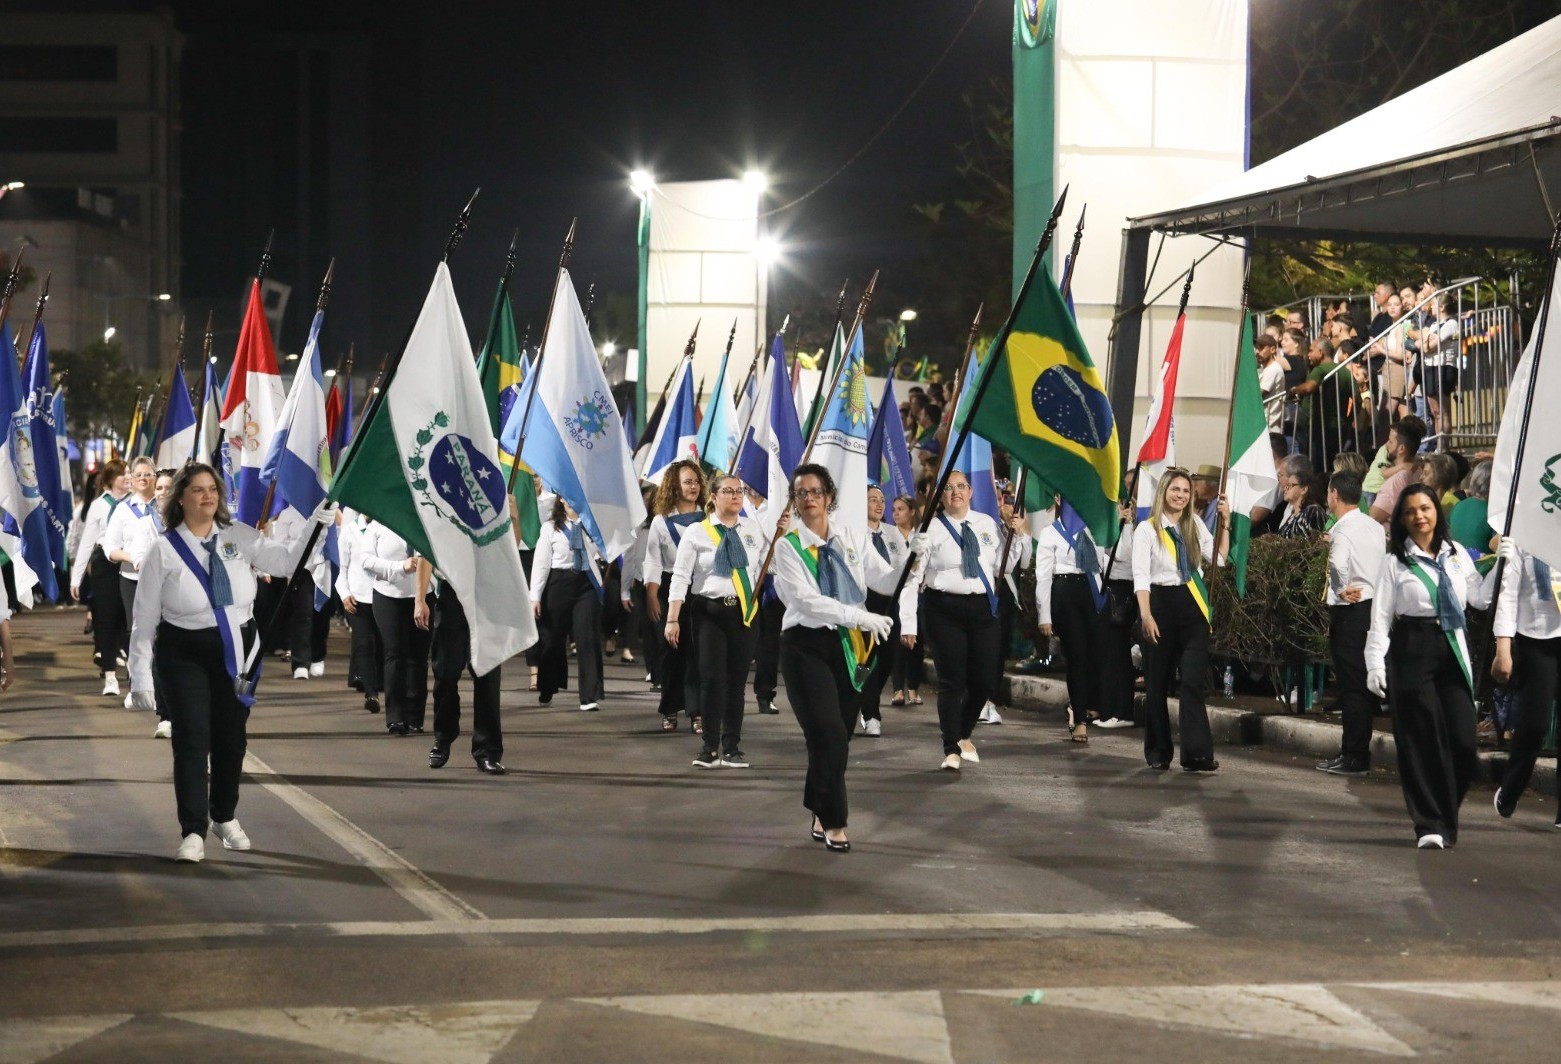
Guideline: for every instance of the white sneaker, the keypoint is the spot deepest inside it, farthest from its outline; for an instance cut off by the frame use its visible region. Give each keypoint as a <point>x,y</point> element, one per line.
<point>300,673</point>
<point>989,715</point>
<point>951,762</point>
<point>1431,842</point>
<point>317,669</point>
<point>1113,722</point>
<point>232,836</point>
<point>110,685</point>
<point>164,730</point>
<point>967,751</point>
<point>589,707</point>
<point>129,703</point>
<point>192,849</point>
<point>873,728</point>
<point>119,659</point>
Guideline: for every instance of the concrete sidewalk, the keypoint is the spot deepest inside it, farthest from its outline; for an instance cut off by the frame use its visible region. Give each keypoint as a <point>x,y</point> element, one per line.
<point>1284,733</point>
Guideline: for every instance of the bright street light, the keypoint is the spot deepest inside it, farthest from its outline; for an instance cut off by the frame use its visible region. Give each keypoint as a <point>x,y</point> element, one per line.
<point>13,186</point>
<point>907,315</point>
<point>767,251</point>
<point>164,297</point>
<point>641,182</point>
<point>756,180</point>
<point>608,349</point>
<point>108,334</point>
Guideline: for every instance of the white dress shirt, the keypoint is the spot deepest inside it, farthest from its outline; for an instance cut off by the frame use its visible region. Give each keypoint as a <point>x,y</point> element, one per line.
<point>661,549</point>
<point>1153,564</point>
<point>351,577</point>
<point>798,590</point>
<point>1121,556</point>
<point>633,560</point>
<point>1053,557</point>
<point>553,552</point>
<point>1356,547</point>
<point>123,530</point>
<point>171,593</point>
<point>1524,608</point>
<point>942,569</point>
<point>383,555</point>
<point>899,549</point>
<point>694,568</point>
<point>1400,593</point>
<point>92,529</point>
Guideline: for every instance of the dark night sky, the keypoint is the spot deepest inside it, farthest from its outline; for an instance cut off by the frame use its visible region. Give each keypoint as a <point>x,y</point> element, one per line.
<point>547,106</point>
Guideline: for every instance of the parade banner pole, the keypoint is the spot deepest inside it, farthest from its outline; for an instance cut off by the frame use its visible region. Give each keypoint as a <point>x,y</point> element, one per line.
<point>205,390</point>
<point>178,360</point>
<point>1073,256</point>
<point>935,503</point>
<point>374,386</point>
<point>13,281</point>
<point>43,298</point>
<point>840,311</point>
<point>536,369</point>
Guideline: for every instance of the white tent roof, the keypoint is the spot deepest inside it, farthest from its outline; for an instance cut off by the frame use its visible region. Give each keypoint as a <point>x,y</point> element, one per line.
<point>1470,155</point>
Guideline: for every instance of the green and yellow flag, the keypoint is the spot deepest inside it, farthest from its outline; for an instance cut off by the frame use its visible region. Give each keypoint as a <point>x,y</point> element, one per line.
<point>1042,400</point>
<point>499,368</point>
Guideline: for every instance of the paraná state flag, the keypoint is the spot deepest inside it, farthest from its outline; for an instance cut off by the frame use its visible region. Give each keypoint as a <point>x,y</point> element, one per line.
<point>1045,404</point>
<point>426,466</point>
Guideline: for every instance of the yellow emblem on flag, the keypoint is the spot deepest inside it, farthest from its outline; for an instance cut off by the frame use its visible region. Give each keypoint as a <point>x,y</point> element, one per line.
<point>1061,399</point>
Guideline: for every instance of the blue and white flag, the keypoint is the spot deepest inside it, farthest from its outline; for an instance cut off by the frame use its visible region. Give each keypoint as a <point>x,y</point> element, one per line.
<point>574,437</point>
<point>179,426</point>
<point>718,430</point>
<point>888,456</point>
<point>65,502</point>
<point>676,437</point>
<point>773,444</point>
<point>299,459</point>
<point>25,517</point>
<point>45,433</point>
<point>845,419</point>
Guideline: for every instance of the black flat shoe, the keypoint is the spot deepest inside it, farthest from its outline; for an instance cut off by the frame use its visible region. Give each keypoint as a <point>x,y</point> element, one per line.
<point>836,847</point>
<point>438,757</point>
<point>1159,766</point>
<point>371,704</point>
<point>490,766</point>
<point>398,729</point>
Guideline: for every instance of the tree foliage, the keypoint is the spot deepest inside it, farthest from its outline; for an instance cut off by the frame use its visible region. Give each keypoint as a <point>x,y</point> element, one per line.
<point>100,389</point>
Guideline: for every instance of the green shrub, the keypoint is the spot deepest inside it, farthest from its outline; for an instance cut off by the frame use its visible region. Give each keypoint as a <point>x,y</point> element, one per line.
<point>1283,618</point>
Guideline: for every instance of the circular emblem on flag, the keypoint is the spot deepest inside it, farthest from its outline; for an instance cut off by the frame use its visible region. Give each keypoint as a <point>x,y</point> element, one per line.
<point>1071,407</point>
<point>590,420</point>
<point>22,458</point>
<point>459,483</point>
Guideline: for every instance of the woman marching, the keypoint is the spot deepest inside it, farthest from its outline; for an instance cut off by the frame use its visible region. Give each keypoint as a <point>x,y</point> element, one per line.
<point>1070,596</point>
<point>567,592</point>
<point>389,560</point>
<point>196,599</point>
<point>889,544</point>
<point>1417,655</point>
<point>109,622</point>
<point>714,576</point>
<point>909,662</point>
<point>680,504</point>
<point>821,574</point>
<point>956,573</point>
<point>1528,646</point>
<point>1169,550</point>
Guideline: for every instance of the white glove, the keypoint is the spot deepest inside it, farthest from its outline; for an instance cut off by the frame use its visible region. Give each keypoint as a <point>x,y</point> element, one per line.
<point>1377,682</point>
<point>1507,550</point>
<point>877,625</point>
<point>920,544</point>
<point>145,701</point>
<point>324,514</point>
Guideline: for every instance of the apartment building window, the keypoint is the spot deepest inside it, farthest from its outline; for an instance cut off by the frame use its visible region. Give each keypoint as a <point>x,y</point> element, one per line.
<point>29,135</point>
<point>59,62</point>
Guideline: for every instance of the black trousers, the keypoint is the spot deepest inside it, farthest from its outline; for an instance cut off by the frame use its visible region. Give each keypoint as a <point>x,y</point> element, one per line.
<point>300,623</point>
<point>820,692</point>
<point>1348,625</point>
<point>406,661</point>
<point>365,668</point>
<point>653,643</point>
<point>270,597</point>
<point>725,652</point>
<point>1081,629</point>
<point>127,597</point>
<point>208,723</point>
<point>110,622</point>
<point>1184,648</point>
<point>570,607</point>
<point>452,648</point>
<point>1116,656</point>
<point>883,661</point>
<point>1433,725</point>
<point>910,663</point>
<point>967,656</point>
<point>677,692</point>
<point>1537,665</point>
<point>766,654</point>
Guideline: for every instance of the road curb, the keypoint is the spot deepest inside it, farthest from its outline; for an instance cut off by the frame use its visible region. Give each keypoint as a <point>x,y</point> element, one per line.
<point>1285,734</point>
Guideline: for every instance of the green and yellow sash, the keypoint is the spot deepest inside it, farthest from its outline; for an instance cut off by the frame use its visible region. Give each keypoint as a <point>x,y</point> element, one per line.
<point>858,646</point>
<point>1455,638</point>
<point>741,584</point>
<point>1195,584</point>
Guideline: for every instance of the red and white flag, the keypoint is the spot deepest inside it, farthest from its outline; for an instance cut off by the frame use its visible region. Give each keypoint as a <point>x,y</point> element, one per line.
<point>249,414</point>
<point>1158,451</point>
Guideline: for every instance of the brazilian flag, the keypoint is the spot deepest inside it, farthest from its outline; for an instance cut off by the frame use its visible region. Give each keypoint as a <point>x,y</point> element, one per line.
<point>499,370</point>
<point>1040,398</point>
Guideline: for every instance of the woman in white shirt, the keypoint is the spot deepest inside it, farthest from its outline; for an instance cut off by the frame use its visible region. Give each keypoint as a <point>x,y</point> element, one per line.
<point>386,557</point>
<point>956,575</point>
<point>1169,550</point>
<point>355,588</point>
<point>680,502</point>
<point>1528,646</point>
<point>885,540</point>
<point>109,622</point>
<point>715,576</point>
<point>195,600</point>
<point>1417,654</point>
<point>821,574</point>
<point>909,662</point>
<point>1070,596</point>
<point>566,596</point>
<point>1120,618</point>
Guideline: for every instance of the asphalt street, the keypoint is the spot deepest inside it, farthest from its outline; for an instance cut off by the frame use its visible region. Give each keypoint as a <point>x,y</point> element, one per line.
<point>607,901</point>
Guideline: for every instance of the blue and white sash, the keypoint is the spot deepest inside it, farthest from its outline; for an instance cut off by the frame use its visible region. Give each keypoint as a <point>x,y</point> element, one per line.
<point>991,596</point>
<point>226,630</point>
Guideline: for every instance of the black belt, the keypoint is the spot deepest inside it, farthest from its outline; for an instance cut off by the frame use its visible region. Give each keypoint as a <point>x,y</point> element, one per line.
<point>1070,576</point>
<point>728,600</point>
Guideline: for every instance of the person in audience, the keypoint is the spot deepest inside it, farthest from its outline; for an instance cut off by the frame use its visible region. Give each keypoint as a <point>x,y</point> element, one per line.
<point>1391,469</point>
<point>1303,516</point>
<point>1469,520</point>
<point>1324,397</point>
<point>1206,494</point>
<point>1271,381</point>
<point>1356,549</point>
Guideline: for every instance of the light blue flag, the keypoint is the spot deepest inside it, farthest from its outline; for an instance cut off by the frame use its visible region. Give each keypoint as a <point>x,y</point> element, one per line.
<point>718,431</point>
<point>299,459</point>
<point>845,420</point>
<point>888,456</point>
<point>974,458</point>
<point>25,517</point>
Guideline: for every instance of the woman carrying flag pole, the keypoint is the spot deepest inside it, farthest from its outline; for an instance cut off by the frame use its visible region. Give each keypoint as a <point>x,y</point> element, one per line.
<point>1169,550</point>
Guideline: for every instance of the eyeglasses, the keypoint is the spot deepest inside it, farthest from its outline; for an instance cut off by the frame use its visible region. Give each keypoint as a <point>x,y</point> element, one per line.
<point>953,488</point>
<point>729,492</point>
<point>809,493</point>
<point>140,476</point>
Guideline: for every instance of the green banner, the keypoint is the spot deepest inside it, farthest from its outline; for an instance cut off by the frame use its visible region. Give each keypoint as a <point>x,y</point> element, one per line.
<point>1035,127</point>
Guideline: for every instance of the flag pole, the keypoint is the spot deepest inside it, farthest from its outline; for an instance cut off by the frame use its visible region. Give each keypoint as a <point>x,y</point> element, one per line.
<point>536,369</point>
<point>1019,511</point>
<point>43,298</point>
<point>840,310</point>
<point>1073,255</point>
<point>731,338</point>
<point>320,303</point>
<point>1230,421</point>
<point>1138,464</point>
<point>657,411</point>
<point>178,360</point>
<point>748,422</point>
<point>13,281</point>
<point>935,502</point>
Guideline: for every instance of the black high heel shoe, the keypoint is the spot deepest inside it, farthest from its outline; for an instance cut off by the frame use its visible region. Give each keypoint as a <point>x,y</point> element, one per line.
<point>818,836</point>
<point>836,847</point>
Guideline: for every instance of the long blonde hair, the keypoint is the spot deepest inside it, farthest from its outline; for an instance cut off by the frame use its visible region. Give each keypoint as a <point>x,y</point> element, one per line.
<point>1188,524</point>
